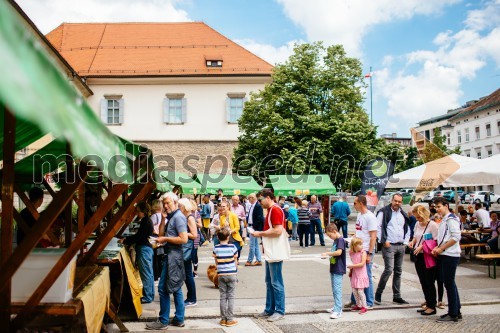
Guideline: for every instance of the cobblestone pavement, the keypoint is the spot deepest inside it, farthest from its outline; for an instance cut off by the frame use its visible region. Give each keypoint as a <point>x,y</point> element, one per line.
<point>482,319</point>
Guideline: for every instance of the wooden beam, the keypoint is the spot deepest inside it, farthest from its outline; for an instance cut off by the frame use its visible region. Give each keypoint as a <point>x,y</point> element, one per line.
<point>41,227</point>
<point>72,250</point>
<point>81,208</point>
<point>9,129</point>
<point>68,211</point>
<point>140,191</point>
<point>34,213</point>
<point>48,187</point>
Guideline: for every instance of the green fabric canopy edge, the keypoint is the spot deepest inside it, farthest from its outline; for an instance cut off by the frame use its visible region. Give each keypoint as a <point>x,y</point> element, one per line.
<point>291,185</point>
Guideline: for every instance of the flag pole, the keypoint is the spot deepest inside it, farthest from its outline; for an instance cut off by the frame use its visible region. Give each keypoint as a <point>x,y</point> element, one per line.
<point>371,97</point>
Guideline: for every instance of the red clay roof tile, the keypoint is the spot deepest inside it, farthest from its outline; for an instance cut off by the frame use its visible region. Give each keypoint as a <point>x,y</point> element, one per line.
<point>159,49</point>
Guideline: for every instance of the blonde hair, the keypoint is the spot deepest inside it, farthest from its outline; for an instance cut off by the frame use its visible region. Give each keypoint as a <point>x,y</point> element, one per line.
<point>421,212</point>
<point>355,241</point>
<point>304,203</point>
<point>156,205</point>
<point>194,205</point>
<point>186,203</point>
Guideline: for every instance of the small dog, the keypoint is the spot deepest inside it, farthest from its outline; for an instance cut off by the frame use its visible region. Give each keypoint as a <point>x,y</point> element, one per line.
<point>212,275</point>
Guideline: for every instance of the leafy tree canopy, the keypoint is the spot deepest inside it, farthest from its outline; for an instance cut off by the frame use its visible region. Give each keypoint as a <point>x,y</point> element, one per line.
<point>309,119</point>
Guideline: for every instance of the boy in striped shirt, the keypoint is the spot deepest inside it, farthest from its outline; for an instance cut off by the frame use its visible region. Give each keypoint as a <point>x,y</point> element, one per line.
<point>225,255</point>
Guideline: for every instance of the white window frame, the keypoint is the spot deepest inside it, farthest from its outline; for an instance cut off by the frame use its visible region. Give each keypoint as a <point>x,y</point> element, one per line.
<point>234,112</point>
<point>117,105</point>
<point>479,155</point>
<point>477,130</point>
<point>171,105</point>
<point>459,136</point>
<point>488,130</point>
<point>467,135</point>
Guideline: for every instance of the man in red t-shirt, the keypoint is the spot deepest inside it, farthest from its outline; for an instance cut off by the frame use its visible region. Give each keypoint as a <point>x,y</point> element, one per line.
<point>275,288</point>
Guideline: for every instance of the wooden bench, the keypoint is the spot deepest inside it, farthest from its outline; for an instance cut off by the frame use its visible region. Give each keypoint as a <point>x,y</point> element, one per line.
<point>476,246</point>
<point>490,257</point>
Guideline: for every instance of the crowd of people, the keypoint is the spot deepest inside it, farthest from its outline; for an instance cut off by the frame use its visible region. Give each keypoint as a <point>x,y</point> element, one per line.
<point>179,226</point>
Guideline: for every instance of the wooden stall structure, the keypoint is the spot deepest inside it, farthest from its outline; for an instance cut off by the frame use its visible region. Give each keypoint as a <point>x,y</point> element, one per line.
<point>37,99</point>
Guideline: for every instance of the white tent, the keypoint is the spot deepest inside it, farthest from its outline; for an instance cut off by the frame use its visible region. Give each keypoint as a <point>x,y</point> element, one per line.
<point>481,172</point>
<point>432,174</point>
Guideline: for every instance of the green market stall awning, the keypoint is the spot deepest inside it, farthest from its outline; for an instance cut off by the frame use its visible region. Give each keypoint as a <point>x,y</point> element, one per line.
<point>291,185</point>
<point>230,184</point>
<point>187,184</point>
<point>36,91</point>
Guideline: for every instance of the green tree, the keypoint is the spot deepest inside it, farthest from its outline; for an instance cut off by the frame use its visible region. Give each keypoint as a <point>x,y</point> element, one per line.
<point>309,119</point>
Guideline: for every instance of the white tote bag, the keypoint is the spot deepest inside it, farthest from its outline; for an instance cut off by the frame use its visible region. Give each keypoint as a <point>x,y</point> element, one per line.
<point>276,248</point>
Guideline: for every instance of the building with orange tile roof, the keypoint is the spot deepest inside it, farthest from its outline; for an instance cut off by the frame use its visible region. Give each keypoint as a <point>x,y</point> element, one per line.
<point>177,87</point>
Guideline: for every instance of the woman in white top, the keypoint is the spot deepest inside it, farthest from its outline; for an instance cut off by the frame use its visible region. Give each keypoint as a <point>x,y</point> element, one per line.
<point>448,256</point>
<point>427,276</point>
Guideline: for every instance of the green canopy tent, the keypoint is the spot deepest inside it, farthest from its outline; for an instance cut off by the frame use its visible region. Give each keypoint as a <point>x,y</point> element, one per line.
<point>187,184</point>
<point>292,185</point>
<point>37,92</point>
<point>230,184</point>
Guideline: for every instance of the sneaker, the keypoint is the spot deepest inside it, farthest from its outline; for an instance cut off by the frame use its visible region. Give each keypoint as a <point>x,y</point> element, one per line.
<point>195,275</point>
<point>275,317</point>
<point>330,310</point>
<point>248,263</point>
<point>257,263</point>
<point>262,315</point>
<point>335,315</point>
<point>369,307</point>
<point>356,308</point>
<point>176,323</point>
<point>156,326</point>
<point>363,311</point>
<point>231,323</point>
<point>190,304</point>
<point>222,322</point>
<point>399,301</point>
<point>378,299</point>
<point>308,246</point>
<point>441,305</point>
<point>349,305</point>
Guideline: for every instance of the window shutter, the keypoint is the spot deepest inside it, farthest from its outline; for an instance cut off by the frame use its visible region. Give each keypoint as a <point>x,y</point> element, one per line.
<point>228,109</point>
<point>104,111</point>
<point>165,110</point>
<point>121,104</point>
<point>184,110</point>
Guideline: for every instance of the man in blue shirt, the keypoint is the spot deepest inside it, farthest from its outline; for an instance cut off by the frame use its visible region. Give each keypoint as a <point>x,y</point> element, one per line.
<point>340,212</point>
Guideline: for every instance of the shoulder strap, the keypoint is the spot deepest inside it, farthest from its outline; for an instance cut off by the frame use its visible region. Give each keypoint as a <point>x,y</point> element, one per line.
<point>445,231</point>
<point>423,233</point>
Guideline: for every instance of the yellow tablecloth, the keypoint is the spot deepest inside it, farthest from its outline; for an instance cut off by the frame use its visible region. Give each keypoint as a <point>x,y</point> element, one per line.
<point>95,298</point>
<point>134,280</point>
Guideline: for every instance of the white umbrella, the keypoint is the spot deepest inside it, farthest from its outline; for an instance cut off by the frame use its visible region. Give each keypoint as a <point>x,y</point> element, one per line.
<point>430,175</point>
<point>481,172</point>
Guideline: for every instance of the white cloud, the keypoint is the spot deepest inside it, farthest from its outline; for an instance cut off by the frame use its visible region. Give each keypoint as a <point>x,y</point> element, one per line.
<point>269,53</point>
<point>436,85</point>
<point>49,14</point>
<point>347,21</point>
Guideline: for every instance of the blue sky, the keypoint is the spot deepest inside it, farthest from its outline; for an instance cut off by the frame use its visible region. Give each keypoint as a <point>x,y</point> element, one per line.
<point>427,56</point>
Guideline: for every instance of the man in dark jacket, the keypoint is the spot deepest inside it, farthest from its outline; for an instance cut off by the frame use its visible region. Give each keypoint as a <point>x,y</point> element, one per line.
<point>394,234</point>
<point>255,220</point>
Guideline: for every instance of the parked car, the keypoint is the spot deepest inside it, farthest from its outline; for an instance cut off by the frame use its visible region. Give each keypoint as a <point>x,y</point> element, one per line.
<point>429,196</point>
<point>464,197</point>
<point>478,197</point>
<point>407,190</point>
<point>450,195</point>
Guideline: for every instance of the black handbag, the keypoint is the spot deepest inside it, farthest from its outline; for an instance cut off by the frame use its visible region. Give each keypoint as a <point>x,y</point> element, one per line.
<point>413,256</point>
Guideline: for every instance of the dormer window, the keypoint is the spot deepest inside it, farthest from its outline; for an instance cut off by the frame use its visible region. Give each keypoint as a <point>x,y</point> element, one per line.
<point>214,63</point>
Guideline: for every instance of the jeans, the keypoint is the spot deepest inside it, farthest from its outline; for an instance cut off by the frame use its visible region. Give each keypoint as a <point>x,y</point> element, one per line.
<point>447,267</point>
<point>493,244</point>
<point>427,277</point>
<point>190,285</point>
<point>316,226</point>
<point>342,225</point>
<point>254,249</point>
<point>145,263</point>
<point>194,258</point>
<point>393,261</point>
<point>295,236</point>
<point>275,288</point>
<point>227,286</point>
<point>368,291</point>
<point>165,299</point>
<point>336,280</point>
<point>304,230</point>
